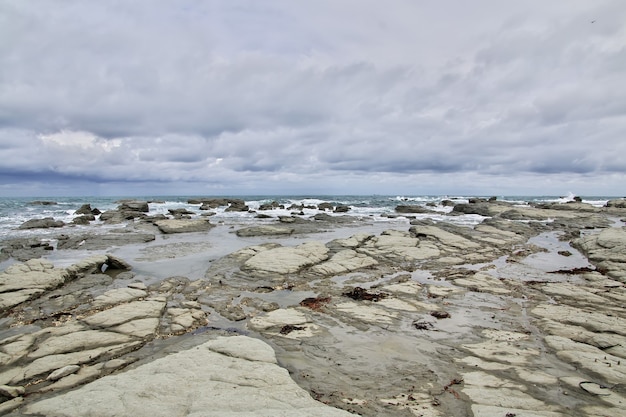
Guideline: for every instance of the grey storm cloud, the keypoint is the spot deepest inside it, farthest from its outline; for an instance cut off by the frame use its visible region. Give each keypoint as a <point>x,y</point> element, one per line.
<point>276,95</point>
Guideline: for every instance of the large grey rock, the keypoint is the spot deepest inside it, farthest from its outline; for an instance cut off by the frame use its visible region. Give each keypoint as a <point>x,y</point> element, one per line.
<point>124,313</point>
<point>234,376</point>
<point>287,260</point>
<point>344,261</point>
<point>411,209</point>
<point>183,225</point>
<point>102,241</point>
<point>265,230</point>
<point>44,223</point>
<point>141,206</point>
<point>21,282</point>
<point>617,203</point>
<point>84,209</point>
<point>607,250</point>
<point>398,246</point>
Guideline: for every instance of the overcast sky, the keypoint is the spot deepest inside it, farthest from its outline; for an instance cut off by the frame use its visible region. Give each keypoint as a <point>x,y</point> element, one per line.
<point>158,97</point>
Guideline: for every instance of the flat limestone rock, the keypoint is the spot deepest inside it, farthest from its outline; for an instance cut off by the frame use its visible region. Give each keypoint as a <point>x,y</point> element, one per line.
<point>73,342</point>
<point>399,247</point>
<point>25,281</point>
<point>287,260</point>
<point>264,231</point>
<point>125,313</point>
<point>446,238</point>
<point>482,282</point>
<point>233,376</point>
<point>596,321</point>
<point>344,261</point>
<point>183,225</point>
<point>280,317</point>
<point>367,313</point>
<point>496,411</point>
<point>118,296</point>
<point>20,282</point>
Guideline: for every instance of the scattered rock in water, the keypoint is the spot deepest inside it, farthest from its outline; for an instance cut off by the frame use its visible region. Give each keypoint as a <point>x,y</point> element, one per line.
<point>44,223</point>
<point>43,203</point>
<point>411,209</point>
<point>264,231</point>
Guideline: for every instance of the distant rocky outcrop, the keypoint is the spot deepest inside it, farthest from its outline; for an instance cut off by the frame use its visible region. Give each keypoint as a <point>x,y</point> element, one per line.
<point>127,210</point>
<point>43,203</point>
<point>134,205</point>
<point>411,209</point>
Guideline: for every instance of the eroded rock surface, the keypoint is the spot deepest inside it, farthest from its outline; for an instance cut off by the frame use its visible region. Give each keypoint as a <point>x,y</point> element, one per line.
<point>425,318</point>
<point>234,376</point>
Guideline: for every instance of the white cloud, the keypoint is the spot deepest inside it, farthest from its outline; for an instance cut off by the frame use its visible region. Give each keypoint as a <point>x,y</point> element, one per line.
<point>276,95</point>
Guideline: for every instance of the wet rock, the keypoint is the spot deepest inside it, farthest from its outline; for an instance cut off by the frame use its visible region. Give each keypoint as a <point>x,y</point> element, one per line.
<point>617,203</point>
<point>237,205</point>
<point>411,209</point>
<point>362,315</point>
<point>43,203</point>
<point>264,231</point>
<point>180,212</point>
<point>133,205</point>
<point>24,249</point>
<point>84,209</point>
<point>116,216</point>
<point>324,217</point>
<point>84,219</point>
<point>94,241</point>
<point>44,223</point>
<point>271,206</point>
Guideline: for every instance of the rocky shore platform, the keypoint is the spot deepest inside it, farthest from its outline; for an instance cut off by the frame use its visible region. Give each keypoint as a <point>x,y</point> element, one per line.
<point>522,314</point>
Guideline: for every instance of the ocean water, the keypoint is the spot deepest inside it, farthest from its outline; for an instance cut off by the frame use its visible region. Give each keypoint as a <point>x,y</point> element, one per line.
<point>378,208</point>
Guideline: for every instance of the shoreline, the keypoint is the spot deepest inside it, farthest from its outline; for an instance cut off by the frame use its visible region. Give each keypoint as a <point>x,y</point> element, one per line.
<point>504,316</point>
